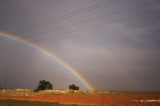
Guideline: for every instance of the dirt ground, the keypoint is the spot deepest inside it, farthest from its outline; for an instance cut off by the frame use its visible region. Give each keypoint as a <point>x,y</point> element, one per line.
<point>92,99</point>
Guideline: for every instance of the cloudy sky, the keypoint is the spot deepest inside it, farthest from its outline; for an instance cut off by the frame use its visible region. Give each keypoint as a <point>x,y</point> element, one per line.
<point>113,44</point>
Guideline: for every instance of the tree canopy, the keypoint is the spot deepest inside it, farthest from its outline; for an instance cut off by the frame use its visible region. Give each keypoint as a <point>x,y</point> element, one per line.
<point>73,87</point>
<point>1,88</point>
<point>44,85</point>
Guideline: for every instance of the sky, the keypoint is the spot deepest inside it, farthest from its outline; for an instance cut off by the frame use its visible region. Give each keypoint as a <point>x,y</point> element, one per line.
<point>113,44</point>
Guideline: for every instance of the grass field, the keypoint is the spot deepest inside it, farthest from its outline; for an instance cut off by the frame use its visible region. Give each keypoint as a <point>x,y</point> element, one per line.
<point>26,103</point>
<point>37,103</point>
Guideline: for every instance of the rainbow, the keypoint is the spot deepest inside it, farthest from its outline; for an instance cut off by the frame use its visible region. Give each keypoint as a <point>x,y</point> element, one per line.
<point>50,54</point>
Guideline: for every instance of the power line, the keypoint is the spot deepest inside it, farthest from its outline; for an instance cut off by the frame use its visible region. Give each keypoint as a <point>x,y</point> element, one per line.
<point>90,27</point>
<point>65,16</point>
<point>101,24</point>
<point>125,19</point>
<point>91,19</point>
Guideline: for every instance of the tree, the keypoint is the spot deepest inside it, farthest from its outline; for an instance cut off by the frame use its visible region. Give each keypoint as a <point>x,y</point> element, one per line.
<point>73,87</point>
<point>44,85</point>
<point>1,88</point>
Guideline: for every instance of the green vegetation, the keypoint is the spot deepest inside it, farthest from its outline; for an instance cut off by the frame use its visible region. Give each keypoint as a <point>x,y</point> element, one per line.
<point>31,103</point>
<point>73,87</point>
<point>44,85</point>
<point>26,103</point>
<point>1,88</point>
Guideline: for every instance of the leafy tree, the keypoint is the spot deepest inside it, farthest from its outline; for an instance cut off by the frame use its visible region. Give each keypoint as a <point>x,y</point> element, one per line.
<point>73,87</point>
<point>1,88</point>
<point>44,85</point>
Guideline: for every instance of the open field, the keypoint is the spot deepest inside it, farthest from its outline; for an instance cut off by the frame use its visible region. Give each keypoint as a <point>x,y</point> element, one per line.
<point>26,103</point>
<point>81,98</point>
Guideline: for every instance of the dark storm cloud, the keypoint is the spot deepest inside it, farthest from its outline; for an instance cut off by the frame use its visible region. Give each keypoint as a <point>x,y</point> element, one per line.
<point>119,51</point>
